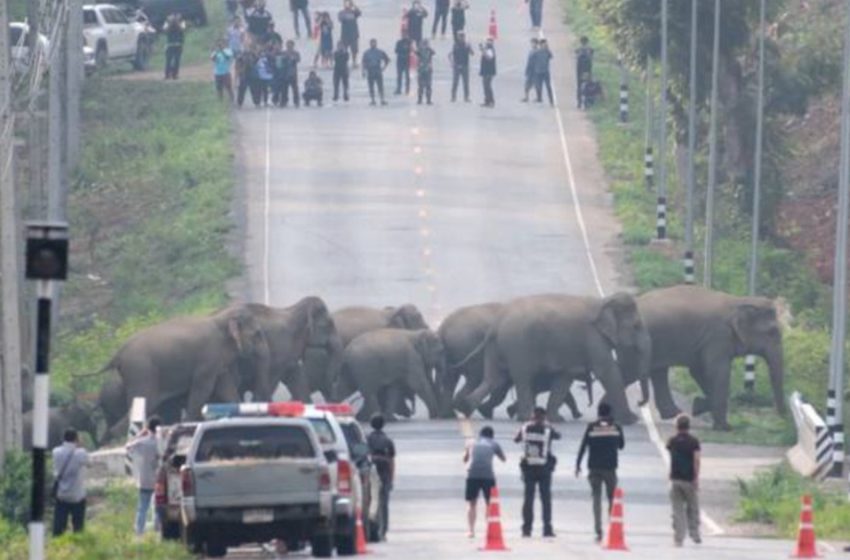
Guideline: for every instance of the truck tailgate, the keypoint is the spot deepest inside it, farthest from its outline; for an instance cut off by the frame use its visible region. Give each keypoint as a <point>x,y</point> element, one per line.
<point>256,482</point>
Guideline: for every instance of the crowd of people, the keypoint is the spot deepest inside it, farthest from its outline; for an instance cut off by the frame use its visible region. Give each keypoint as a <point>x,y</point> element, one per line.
<point>253,59</point>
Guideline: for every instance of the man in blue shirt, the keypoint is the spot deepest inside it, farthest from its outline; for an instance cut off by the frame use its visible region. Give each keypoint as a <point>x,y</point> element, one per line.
<point>222,58</point>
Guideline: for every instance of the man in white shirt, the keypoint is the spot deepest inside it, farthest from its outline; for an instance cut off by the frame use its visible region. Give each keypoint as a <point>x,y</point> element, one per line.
<point>69,467</point>
<point>144,451</point>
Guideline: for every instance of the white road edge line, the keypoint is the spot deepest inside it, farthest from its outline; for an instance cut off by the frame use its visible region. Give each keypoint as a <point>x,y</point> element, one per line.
<point>654,435</point>
<point>266,210</point>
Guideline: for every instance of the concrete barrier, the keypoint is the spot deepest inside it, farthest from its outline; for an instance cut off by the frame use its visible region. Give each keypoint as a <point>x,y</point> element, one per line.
<point>812,456</point>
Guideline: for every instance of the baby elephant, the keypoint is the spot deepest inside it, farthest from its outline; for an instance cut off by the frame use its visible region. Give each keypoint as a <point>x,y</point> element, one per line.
<point>385,363</point>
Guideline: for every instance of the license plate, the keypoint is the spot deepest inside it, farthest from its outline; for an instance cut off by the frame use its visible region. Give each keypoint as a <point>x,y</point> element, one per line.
<point>257,516</point>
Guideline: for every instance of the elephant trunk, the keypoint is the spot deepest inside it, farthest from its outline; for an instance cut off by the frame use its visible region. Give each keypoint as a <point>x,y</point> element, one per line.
<point>776,370</point>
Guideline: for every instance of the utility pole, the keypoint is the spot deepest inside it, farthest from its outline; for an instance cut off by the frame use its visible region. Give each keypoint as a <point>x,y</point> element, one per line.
<point>56,173</point>
<point>9,246</point>
<point>750,363</point>
<point>712,152</point>
<point>661,209</point>
<point>835,395</point>
<point>74,80</point>
<point>688,260</point>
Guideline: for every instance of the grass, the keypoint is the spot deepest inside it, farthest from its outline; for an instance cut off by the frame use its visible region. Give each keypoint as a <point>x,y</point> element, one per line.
<point>783,273</point>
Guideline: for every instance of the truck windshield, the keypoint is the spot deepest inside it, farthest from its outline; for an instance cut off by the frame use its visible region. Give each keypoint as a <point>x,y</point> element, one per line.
<point>254,442</point>
<point>323,430</point>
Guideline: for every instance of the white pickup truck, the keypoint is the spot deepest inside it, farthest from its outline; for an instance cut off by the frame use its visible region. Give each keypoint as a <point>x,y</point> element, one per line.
<point>114,36</point>
<point>252,480</point>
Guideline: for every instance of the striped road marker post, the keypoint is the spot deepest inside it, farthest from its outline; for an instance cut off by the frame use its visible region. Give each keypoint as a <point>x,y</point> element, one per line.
<point>624,103</point>
<point>749,373</point>
<point>661,218</point>
<point>836,428</point>
<point>688,262</point>
<point>649,168</point>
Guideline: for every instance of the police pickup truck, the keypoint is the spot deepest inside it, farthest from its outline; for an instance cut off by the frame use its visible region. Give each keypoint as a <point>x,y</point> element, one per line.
<point>252,480</point>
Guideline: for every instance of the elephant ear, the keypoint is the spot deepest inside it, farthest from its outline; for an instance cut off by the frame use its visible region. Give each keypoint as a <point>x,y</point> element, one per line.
<point>752,319</point>
<point>397,318</point>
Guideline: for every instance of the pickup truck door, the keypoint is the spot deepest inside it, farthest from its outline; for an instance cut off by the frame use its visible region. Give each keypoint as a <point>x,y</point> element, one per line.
<point>118,32</point>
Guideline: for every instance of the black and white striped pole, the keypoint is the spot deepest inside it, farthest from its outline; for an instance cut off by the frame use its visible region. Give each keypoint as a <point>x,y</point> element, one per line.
<point>661,218</point>
<point>688,260</point>
<point>624,92</point>
<point>46,263</point>
<point>649,131</point>
<point>661,192</point>
<point>836,427</point>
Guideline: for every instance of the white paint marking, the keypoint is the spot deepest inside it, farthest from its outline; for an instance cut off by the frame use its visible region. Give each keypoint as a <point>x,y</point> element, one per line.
<point>266,211</point>
<point>41,398</point>
<point>649,421</point>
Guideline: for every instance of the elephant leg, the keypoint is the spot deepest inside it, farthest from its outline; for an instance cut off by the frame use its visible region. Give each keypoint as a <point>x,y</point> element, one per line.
<point>391,402</point>
<point>663,396</point>
<point>497,397</point>
<point>717,372</point>
<point>701,404</point>
<point>571,403</point>
<point>524,399</point>
<point>370,406</point>
<point>420,381</point>
<point>608,374</point>
<point>557,395</point>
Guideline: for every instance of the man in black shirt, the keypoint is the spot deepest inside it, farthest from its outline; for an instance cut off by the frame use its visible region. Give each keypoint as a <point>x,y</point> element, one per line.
<point>289,76</point>
<point>299,7</point>
<point>258,21</point>
<point>340,77</point>
<point>382,455</point>
<point>174,36</point>
<point>425,71</point>
<point>684,481</point>
<point>374,62</point>
<point>584,67</point>
<point>488,72</point>
<point>459,16</point>
<point>402,64</point>
<point>459,57</point>
<point>537,465</point>
<point>415,18</point>
<point>441,15</point>
<point>604,439</point>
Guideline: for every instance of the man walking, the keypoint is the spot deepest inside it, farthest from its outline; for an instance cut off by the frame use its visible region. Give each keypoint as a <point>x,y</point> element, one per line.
<point>299,7</point>
<point>175,29</point>
<point>537,465</point>
<point>289,75</point>
<point>584,67</point>
<point>529,68</point>
<point>684,481</point>
<point>144,453</point>
<point>441,16</point>
<point>69,467</point>
<point>488,72</point>
<point>425,71</point>
<point>382,455</point>
<point>402,64</point>
<point>340,77</point>
<point>535,11</point>
<point>349,31</point>
<point>459,57</point>
<point>375,62</point>
<point>541,77</point>
<point>604,439</point>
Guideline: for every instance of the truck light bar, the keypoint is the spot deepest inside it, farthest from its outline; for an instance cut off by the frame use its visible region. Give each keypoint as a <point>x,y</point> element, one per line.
<point>229,410</point>
<point>340,409</point>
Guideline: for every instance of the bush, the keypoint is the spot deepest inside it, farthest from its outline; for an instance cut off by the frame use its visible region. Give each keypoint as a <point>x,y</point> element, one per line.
<point>15,488</point>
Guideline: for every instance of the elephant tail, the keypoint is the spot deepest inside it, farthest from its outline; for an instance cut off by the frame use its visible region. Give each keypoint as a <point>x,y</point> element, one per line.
<point>109,366</point>
<point>474,353</point>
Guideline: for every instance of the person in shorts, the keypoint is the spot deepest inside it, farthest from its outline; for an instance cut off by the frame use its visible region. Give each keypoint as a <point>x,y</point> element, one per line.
<point>480,478</point>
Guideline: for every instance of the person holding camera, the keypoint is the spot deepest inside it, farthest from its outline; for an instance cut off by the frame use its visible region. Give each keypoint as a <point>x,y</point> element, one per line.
<point>459,57</point>
<point>222,59</point>
<point>458,18</point>
<point>144,452</point>
<point>349,30</point>
<point>174,36</point>
<point>537,465</point>
<point>415,20</point>
<point>488,71</point>
<point>69,484</point>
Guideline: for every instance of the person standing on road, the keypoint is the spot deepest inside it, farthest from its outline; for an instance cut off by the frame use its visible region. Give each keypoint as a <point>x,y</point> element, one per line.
<point>235,36</point>
<point>299,8</point>
<point>441,16</point>
<point>415,19</point>
<point>604,440</point>
<point>375,62</point>
<point>480,477</point>
<point>144,452</point>
<point>349,31</point>
<point>684,481</point>
<point>535,11</point>
<point>340,77</point>
<point>584,67</point>
<point>289,72</point>
<point>246,76</point>
<point>402,64</point>
<point>425,71</point>
<point>529,68</point>
<point>175,34</point>
<point>382,455</point>
<point>222,58</point>
<point>459,16</point>
<point>460,58</point>
<point>258,21</point>
<point>326,40</point>
<point>488,71</point>
<point>537,465</point>
<point>542,77</point>
<point>69,468</point>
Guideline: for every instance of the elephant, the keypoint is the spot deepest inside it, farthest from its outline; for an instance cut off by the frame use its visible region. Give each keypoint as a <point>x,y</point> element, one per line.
<point>546,382</point>
<point>704,330</point>
<point>73,415</point>
<point>566,335</point>
<point>351,322</point>
<point>378,360</point>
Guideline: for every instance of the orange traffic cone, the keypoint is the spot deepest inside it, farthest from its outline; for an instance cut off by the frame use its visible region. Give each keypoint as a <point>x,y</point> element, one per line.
<point>806,536</point>
<point>616,534</point>
<point>360,534</point>
<point>494,540</point>
<point>493,28</point>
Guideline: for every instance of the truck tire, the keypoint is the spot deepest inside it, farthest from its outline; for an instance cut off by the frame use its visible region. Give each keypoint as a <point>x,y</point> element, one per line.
<point>170,530</point>
<point>322,546</point>
<point>189,535</point>
<point>216,549</point>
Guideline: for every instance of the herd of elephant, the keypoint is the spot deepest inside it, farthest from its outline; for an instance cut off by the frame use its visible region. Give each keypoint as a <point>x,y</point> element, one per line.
<point>535,344</point>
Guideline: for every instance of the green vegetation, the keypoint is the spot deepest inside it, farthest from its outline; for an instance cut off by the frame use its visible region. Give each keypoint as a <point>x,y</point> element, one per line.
<point>783,273</point>
<point>200,41</point>
<point>773,497</point>
<point>108,534</point>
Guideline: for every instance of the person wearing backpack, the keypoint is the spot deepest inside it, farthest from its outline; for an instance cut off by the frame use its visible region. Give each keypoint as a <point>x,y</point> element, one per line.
<point>537,465</point>
<point>584,67</point>
<point>69,485</point>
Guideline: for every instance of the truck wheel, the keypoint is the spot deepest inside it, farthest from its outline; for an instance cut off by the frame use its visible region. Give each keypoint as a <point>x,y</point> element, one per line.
<point>216,549</point>
<point>170,530</point>
<point>322,546</point>
<point>143,55</point>
<point>189,535</point>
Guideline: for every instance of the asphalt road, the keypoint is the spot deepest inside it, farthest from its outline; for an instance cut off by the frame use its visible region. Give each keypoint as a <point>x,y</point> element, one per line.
<point>443,206</point>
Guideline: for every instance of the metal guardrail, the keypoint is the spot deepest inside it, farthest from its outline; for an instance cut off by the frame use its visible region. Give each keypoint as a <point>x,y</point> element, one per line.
<point>812,455</point>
